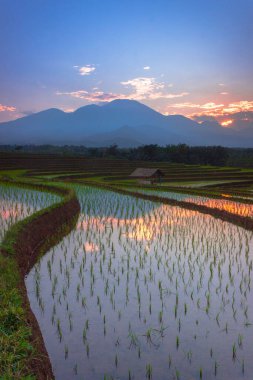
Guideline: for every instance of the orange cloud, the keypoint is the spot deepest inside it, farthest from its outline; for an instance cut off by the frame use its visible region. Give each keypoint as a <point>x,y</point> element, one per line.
<point>226,123</point>
<point>243,105</point>
<point>206,106</point>
<point>7,108</point>
<point>212,108</point>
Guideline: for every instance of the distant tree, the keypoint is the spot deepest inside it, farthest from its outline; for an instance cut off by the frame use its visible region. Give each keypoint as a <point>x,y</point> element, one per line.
<point>93,152</point>
<point>112,150</point>
<point>149,152</point>
<point>18,147</point>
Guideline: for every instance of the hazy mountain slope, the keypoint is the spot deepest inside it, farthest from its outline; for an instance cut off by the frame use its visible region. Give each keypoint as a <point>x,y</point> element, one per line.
<point>124,122</point>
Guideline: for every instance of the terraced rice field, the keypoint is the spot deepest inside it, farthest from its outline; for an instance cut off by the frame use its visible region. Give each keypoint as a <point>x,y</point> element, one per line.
<point>16,204</point>
<point>139,289</point>
<point>145,290</point>
<point>118,169</point>
<point>237,208</point>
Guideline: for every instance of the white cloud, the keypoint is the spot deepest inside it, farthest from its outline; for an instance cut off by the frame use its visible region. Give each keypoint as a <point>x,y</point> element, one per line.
<point>185,105</point>
<point>146,68</point>
<point>85,70</point>
<point>95,96</point>
<point>172,96</point>
<point>149,88</point>
<point>141,88</point>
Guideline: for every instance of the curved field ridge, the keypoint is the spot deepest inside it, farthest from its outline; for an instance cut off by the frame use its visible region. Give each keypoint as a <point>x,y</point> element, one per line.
<point>241,221</point>
<point>22,245</point>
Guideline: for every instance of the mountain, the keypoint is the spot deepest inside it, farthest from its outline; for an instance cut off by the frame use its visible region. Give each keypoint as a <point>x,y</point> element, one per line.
<point>124,122</point>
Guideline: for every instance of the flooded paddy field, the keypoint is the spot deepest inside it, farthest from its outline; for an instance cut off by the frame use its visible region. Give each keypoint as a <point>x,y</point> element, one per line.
<point>17,203</point>
<point>237,208</point>
<point>142,290</point>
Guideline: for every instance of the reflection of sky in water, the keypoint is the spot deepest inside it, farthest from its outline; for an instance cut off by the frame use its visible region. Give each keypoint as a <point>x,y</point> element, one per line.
<point>221,204</point>
<point>16,204</point>
<point>138,283</point>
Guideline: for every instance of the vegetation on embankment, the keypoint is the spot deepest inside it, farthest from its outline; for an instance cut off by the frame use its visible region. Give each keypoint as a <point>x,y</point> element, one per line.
<point>23,354</point>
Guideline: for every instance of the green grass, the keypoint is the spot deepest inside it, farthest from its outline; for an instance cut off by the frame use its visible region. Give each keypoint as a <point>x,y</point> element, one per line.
<point>15,335</point>
<point>12,174</point>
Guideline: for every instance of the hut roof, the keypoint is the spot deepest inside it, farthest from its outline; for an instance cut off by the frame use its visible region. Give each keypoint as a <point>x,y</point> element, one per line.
<point>146,172</point>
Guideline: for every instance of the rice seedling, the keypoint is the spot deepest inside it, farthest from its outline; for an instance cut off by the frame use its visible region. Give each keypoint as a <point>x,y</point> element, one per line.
<point>136,276</point>
<point>66,351</point>
<point>149,371</point>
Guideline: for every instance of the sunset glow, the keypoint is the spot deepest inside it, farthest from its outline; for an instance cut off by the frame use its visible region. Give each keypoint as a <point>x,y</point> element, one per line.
<point>226,123</point>
<point>107,51</point>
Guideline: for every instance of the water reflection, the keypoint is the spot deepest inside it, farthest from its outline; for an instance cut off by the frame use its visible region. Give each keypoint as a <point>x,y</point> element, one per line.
<point>142,288</point>
<point>221,204</point>
<point>17,204</point>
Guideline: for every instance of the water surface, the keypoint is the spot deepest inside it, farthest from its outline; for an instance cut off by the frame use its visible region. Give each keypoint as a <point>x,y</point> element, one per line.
<point>145,290</point>
<point>18,203</point>
<point>221,204</point>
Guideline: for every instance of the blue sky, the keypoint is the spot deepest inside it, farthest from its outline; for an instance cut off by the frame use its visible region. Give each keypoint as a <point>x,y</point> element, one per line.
<point>187,57</point>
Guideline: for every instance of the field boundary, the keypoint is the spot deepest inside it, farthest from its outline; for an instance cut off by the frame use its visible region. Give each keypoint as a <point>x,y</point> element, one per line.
<point>23,243</point>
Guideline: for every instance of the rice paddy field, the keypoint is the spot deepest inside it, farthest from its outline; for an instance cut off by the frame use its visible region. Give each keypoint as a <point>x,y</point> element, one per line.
<point>237,208</point>
<point>140,289</point>
<point>16,204</point>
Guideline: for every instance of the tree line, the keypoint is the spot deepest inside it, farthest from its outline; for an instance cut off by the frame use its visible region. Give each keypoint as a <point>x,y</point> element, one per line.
<point>181,153</point>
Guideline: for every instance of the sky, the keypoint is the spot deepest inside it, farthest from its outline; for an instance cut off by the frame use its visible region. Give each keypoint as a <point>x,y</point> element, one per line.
<point>187,57</point>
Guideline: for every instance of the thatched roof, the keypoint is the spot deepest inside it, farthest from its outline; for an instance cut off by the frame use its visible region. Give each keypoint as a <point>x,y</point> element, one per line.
<point>146,173</point>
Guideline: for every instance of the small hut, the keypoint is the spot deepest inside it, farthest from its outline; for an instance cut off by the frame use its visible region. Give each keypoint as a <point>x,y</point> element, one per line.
<point>147,175</point>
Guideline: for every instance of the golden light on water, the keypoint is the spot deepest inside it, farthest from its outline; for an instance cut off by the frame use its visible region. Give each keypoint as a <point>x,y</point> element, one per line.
<point>90,247</point>
<point>139,229</point>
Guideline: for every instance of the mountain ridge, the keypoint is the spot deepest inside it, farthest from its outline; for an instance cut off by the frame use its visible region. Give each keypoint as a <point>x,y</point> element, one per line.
<point>123,122</point>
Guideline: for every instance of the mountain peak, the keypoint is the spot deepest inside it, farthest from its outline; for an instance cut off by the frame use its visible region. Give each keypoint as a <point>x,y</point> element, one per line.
<point>123,102</point>
<point>130,105</point>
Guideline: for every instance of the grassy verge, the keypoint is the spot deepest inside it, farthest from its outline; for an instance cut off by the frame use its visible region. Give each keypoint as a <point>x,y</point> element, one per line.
<point>15,334</point>
<point>23,354</point>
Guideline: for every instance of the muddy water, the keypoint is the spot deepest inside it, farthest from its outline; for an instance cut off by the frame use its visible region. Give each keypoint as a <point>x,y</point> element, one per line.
<point>144,290</point>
